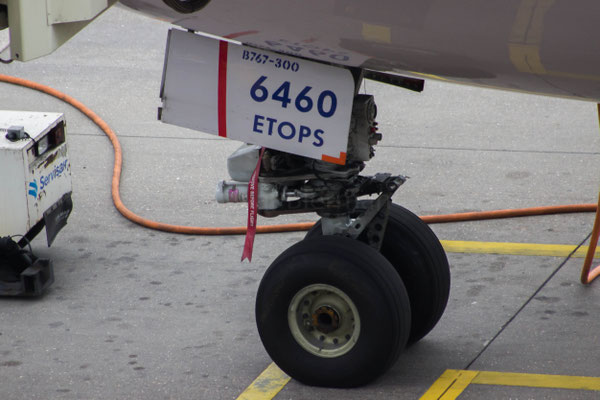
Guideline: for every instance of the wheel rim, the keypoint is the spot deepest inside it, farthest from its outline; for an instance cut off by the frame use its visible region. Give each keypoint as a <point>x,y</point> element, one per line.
<point>324,320</point>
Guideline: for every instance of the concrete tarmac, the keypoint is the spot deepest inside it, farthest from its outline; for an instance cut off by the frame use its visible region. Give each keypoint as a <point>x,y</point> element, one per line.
<point>141,314</point>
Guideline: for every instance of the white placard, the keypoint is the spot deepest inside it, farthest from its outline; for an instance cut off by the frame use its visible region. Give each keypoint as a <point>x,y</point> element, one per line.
<point>257,96</point>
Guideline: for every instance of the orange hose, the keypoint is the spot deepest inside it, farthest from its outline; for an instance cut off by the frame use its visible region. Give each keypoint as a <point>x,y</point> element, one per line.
<point>240,230</point>
<point>511,213</point>
<point>586,276</point>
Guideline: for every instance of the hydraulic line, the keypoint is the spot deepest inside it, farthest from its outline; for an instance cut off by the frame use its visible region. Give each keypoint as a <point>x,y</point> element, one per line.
<point>240,230</point>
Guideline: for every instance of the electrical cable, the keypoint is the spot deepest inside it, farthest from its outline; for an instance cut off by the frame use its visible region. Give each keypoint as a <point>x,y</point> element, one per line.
<point>3,61</point>
<point>240,230</point>
<point>24,238</point>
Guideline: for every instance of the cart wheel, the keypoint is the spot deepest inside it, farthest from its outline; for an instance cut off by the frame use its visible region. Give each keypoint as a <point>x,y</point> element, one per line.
<point>331,311</point>
<point>418,256</point>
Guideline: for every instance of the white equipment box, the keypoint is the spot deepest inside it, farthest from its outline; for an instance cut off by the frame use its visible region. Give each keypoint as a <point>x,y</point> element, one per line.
<point>35,174</point>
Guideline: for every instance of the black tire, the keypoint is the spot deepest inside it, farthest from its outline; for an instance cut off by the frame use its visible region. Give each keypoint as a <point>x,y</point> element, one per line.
<point>186,6</point>
<point>418,256</point>
<point>318,267</point>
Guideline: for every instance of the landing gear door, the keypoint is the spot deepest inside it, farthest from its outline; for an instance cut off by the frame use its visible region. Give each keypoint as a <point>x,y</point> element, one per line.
<point>257,96</point>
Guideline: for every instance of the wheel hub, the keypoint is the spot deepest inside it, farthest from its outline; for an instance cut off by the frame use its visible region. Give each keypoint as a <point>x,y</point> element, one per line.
<point>324,320</point>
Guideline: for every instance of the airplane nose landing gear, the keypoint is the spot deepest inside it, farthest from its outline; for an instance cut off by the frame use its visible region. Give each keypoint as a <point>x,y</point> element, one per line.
<point>337,308</point>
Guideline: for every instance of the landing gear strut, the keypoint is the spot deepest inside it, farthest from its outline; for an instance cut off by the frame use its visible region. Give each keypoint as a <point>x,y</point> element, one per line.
<point>338,308</point>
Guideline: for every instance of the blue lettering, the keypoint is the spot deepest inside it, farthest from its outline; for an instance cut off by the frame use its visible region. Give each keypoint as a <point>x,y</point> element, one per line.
<point>271,122</point>
<point>282,134</point>
<point>304,133</point>
<point>257,124</point>
<point>56,173</point>
<point>285,130</point>
<point>339,57</point>
<point>317,53</point>
<point>319,141</point>
<point>272,43</point>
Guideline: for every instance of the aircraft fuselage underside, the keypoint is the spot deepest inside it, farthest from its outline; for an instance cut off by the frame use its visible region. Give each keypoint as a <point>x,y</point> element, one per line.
<point>537,46</point>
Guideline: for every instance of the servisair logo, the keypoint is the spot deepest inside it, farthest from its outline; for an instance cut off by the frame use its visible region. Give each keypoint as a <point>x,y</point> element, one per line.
<point>33,188</point>
<point>46,180</point>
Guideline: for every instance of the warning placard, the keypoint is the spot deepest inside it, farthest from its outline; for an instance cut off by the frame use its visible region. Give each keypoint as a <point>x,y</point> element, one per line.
<point>257,96</point>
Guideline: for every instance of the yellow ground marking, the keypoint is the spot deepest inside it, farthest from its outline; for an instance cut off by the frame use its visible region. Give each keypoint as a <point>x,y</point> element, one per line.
<point>440,386</point>
<point>524,43</point>
<point>518,249</point>
<point>537,380</point>
<point>267,385</point>
<point>527,34</point>
<point>526,38</point>
<point>377,33</point>
<point>518,33</point>
<point>535,33</point>
<point>450,385</point>
<point>453,382</point>
<point>431,76</point>
<point>586,77</point>
<point>463,379</point>
<point>526,58</point>
<point>528,27</point>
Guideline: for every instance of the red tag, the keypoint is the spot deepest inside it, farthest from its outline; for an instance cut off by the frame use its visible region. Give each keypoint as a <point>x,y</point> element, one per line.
<point>252,209</point>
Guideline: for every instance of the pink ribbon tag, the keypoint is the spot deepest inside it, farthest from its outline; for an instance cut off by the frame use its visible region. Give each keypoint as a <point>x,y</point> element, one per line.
<point>252,210</point>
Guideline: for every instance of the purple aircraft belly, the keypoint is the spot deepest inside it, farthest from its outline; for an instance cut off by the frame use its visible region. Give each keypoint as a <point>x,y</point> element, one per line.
<point>541,46</point>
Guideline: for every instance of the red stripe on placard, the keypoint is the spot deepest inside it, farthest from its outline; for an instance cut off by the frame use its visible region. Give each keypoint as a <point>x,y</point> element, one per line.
<point>222,89</point>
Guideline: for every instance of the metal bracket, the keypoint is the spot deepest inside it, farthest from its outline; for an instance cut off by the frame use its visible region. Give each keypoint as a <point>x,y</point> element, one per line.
<point>373,221</point>
<point>22,273</point>
<point>375,230</point>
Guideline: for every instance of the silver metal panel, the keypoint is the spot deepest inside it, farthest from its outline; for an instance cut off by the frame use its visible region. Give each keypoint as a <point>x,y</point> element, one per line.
<point>189,59</point>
